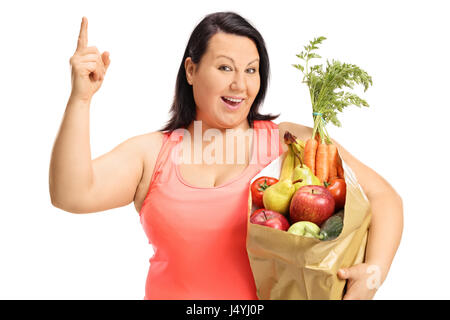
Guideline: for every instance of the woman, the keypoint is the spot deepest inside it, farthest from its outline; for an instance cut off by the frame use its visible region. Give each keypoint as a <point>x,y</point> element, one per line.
<point>194,211</point>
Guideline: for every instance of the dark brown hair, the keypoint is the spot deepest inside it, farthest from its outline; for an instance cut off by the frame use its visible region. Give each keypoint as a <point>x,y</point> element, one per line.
<point>183,110</point>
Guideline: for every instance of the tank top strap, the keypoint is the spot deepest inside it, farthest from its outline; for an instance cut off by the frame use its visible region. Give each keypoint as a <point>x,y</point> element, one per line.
<point>170,140</point>
<point>268,149</point>
<point>269,142</point>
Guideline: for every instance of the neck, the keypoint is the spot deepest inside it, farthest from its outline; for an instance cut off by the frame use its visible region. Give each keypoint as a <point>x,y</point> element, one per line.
<point>199,140</point>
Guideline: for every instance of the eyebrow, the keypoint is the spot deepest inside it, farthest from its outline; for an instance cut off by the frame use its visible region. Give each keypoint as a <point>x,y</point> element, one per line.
<point>223,56</point>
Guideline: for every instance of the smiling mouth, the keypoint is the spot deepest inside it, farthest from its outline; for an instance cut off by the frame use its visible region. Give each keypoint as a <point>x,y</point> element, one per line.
<point>232,102</point>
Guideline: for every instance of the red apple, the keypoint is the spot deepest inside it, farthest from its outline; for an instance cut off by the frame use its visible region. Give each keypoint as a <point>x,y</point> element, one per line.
<point>311,203</point>
<point>270,218</point>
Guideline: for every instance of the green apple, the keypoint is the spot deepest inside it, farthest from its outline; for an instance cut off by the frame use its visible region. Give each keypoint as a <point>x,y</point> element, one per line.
<point>305,229</point>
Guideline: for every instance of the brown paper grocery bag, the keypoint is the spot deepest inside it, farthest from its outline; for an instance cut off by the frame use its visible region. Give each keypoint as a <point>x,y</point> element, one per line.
<point>287,266</point>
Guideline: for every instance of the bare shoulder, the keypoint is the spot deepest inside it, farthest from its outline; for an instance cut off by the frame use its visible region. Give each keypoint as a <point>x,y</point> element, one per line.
<point>301,131</point>
<point>149,144</point>
<point>139,144</point>
<point>146,146</point>
<point>118,174</point>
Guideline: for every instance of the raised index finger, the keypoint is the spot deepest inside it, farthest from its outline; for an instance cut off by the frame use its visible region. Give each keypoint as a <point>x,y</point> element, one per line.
<point>83,37</point>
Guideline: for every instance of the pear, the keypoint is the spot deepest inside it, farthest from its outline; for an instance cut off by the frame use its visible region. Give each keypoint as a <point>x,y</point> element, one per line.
<point>303,176</point>
<point>277,197</point>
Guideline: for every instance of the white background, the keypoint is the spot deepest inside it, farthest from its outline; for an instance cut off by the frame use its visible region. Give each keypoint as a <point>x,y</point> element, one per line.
<point>46,253</point>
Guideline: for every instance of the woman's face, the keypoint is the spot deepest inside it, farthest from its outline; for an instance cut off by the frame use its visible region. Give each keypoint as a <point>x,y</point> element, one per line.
<point>229,69</point>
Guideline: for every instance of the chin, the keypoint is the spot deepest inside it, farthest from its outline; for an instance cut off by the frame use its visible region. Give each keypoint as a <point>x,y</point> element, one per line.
<point>232,122</point>
<point>236,119</point>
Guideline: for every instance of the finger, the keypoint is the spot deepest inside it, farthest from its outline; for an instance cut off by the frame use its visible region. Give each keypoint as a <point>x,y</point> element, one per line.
<point>95,75</point>
<point>100,71</point>
<point>348,297</point>
<point>83,36</point>
<point>92,69</point>
<point>94,64</point>
<point>343,274</point>
<point>89,66</point>
<point>105,59</point>
<point>103,74</point>
<point>89,57</point>
<point>354,272</point>
<point>87,50</point>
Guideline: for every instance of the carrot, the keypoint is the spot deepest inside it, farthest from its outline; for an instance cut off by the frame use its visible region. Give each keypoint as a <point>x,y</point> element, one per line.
<point>309,155</point>
<point>332,161</point>
<point>322,168</point>
<point>317,137</point>
<point>340,169</point>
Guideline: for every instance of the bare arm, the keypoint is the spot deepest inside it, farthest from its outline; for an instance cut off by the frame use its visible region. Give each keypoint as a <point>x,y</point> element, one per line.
<point>386,204</point>
<point>71,171</point>
<point>386,226</point>
<point>81,185</point>
<point>77,183</point>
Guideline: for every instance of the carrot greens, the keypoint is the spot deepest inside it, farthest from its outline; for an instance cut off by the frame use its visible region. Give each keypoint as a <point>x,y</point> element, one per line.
<point>325,84</point>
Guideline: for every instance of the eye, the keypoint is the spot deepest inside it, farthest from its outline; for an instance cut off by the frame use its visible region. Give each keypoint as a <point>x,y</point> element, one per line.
<point>253,70</point>
<point>222,68</point>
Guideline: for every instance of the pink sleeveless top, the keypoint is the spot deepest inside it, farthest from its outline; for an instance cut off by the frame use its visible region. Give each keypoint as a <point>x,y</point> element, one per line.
<point>198,234</point>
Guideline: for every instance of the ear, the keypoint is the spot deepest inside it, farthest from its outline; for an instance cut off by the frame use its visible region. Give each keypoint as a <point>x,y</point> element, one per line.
<point>189,67</point>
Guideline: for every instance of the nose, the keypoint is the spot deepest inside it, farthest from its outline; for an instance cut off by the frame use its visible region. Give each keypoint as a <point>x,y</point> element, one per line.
<point>238,83</point>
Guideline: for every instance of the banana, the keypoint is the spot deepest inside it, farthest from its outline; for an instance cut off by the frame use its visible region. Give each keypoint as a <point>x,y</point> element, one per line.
<point>298,146</point>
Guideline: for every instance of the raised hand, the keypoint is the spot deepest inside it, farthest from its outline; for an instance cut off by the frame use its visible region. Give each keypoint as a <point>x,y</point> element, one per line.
<point>88,66</point>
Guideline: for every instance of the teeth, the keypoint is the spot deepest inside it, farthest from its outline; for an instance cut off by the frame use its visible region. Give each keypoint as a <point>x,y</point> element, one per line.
<point>233,100</point>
